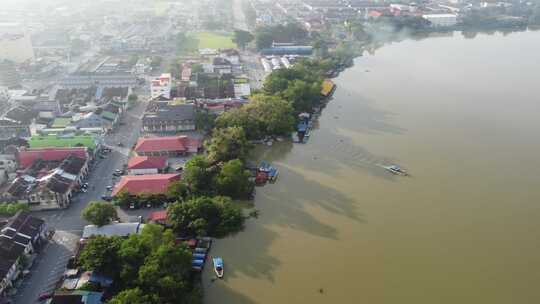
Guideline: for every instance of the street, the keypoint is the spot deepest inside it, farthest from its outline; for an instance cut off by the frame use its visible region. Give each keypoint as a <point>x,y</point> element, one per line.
<point>50,264</point>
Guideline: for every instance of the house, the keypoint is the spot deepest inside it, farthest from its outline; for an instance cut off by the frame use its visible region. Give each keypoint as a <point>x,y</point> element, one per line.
<point>117,229</point>
<point>89,120</point>
<point>158,217</point>
<point>76,297</point>
<point>167,146</point>
<point>139,165</point>
<point>25,230</point>
<point>27,157</point>
<point>46,188</point>
<point>441,20</point>
<point>170,118</point>
<point>148,184</point>
<point>161,86</point>
<point>10,256</point>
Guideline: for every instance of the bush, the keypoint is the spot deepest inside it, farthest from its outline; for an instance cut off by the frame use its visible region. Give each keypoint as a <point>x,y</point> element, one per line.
<point>9,209</point>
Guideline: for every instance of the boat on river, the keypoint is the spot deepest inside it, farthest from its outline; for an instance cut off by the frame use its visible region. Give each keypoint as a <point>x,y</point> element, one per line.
<point>397,170</point>
<point>218,266</point>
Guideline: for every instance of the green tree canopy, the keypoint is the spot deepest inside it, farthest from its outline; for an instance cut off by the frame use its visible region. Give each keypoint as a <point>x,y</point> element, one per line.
<point>233,180</point>
<point>215,216</point>
<point>101,254</point>
<point>99,213</point>
<point>198,175</point>
<point>274,114</point>
<point>226,144</point>
<point>242,38</point>
<point>133,296</point>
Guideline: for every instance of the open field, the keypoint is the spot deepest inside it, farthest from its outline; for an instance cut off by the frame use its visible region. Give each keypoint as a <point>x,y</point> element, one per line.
<point>214,40</point>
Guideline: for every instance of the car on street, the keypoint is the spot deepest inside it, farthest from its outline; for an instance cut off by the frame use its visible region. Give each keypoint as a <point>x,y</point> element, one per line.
<point>120,144</point>
<point>106,198</point>
<point>110,187</point>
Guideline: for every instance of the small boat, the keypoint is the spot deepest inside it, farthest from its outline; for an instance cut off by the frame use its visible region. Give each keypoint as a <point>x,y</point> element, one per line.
<point>394,169</point>
<point>218,267</point>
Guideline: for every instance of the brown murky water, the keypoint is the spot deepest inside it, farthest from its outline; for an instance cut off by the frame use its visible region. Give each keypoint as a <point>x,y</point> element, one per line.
<point>463,116</point>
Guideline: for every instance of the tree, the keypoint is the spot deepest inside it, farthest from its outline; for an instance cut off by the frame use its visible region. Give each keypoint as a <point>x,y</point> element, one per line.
<point>535,16</point>
<point>274,114</point>
<point>242,119</point>
<point>132,99</point>
<point>227,144</point>
<point>198,176</point>
<point>133,296</point>
<point>156,61</point>
<point>165,273</point>
<point>263,40</point>
<point>233,180</point>
<point>101,254</point>
<point>242,38</point>
<point>217,216</point>
<point>99,213</point>
<point>302,95</point>
<point>177,191</point>
<point>124,198</point>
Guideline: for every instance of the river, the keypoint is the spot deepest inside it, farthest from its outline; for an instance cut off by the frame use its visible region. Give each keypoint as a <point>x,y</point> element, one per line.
<point>462,115</point>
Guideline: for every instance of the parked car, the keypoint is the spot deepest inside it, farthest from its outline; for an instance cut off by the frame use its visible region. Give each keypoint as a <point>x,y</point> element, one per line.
<point>106,198</point>
<point>110,187</point>
<point>45,296</point>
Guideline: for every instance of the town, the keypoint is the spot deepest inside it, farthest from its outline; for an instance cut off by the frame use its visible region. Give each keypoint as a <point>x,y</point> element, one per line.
<point>125,138</point>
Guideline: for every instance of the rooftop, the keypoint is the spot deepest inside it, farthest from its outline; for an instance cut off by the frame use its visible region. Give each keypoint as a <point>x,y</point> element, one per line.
<point>118,229</point>
<point>167,143</point>
<point>150,183</point>
<point>147,162</point>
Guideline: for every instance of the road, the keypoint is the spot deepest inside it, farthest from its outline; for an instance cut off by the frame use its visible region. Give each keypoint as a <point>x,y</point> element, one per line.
<point>50,264</point>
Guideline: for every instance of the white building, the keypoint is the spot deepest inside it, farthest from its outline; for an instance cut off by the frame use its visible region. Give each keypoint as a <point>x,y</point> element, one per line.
<point>161,86</point>
<point>441,20</point>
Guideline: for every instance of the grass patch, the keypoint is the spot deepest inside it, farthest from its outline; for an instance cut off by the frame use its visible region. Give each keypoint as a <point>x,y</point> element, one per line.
<point>208,40</point>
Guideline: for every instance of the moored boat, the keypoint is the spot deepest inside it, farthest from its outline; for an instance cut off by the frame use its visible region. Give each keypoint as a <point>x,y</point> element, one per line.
<point>218,266</point>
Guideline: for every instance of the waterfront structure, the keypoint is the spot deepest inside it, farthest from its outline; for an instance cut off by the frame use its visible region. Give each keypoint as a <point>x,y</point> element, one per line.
<point>161,86</point>
<point>116,229</point>
<point>441,20</point>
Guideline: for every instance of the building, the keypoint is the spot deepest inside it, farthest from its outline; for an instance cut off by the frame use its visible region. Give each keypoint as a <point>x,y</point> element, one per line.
<point>10,256</point>
<point>158,217</point>
<point>43,187</point>
<point>161,86</point>
<point>148,184</point>
<point>288,50</point>
<point>76,297</point>
<point>19,236</point>
<point>104,80</point>
<point>27,157</point>
<point>169,118</point>
<point>117,229</point>
<point>25,230</point>
<point>441,20</point>
<point>171,146</point>
<point>139,165</point>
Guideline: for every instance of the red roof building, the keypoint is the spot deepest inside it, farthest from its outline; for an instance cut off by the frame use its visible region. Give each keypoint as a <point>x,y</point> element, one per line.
<point>146,164</point>
<point>150,184</point>
<point>27,157</point>
<point>159,217</point>
<point>167,146</point>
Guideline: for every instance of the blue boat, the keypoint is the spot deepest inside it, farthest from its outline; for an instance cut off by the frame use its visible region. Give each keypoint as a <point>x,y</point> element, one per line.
<point>197,262</point>
<point>199,256</point>
<point>218,267</point>
<point>200,250</point>
<point>273,174</point>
